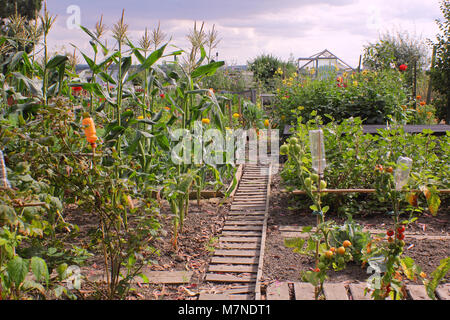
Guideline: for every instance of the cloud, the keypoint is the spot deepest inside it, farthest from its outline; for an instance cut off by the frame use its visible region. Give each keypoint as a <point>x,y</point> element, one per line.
<point>251,27</point>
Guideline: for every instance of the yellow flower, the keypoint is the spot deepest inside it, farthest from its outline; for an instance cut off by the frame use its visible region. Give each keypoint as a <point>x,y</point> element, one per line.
<point>283,117</point>
<point>227,128</point>
<point>345,74</point>
<point>205,120</point>
<point>140,117</point>
<point>423,274</point>
<point>266,123</point>
<point>365,72</point>
<point>301,108</point>
<point>312,71</point>
<point>236,115</point>
<point>355,83</point>
<point>295,74</point>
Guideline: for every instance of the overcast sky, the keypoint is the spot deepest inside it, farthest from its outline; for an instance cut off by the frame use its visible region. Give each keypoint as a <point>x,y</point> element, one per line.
<point>248,28</point>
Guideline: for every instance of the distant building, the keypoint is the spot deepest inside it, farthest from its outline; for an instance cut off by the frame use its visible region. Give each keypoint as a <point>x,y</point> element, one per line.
<point>237,68</point>
<point>321,64</point>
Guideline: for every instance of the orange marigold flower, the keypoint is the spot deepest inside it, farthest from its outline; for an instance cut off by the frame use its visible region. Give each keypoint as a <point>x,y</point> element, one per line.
<point>422,103</point>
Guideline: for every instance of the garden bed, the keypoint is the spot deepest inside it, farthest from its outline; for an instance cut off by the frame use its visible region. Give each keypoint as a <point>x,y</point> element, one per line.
<point>282,264</point>
<point>201,228</point>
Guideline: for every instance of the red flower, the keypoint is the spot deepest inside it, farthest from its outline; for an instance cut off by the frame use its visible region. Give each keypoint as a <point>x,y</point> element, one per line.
<point>162,95</point>
<point>77,89</point>
<point>403,67</point>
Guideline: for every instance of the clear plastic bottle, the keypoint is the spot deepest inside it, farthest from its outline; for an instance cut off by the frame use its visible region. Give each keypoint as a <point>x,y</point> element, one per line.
<point>317,146</point>
<point>404,165</point>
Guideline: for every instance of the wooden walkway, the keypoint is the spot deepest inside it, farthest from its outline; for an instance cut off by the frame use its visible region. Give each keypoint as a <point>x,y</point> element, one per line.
<point>341,291</point>
<point>234,268</point>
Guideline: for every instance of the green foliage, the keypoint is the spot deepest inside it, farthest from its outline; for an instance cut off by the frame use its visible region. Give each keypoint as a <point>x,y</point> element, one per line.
<point>227,80</point>
<point>436,277</point>
<point>375,97</point>
<point>352,156</point>
<point>264,68</point>
<point>252,116</point>
<point>354,233</point>
<point>392,50</point>
<point>440,72</point>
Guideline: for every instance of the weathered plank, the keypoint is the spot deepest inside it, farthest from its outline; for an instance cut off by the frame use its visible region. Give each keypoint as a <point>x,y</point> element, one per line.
<point>225,296</point>
<point>357,291</point>
<point>236,253</point>
<point>230,278</point>
<point>242,228</point>
<point>241,245</point>
<point>241,233</point>
<point>232,268</point>
<point>241,289</point>
<point>417,292</point>
<point>443,291</point>
<point>303,291</point>
<point>335,291</point>
<point>250,198</point>
<point>278,291</point>
<point>248,208</point>
<point>167,277</point>
<point>237,217</point>
<point>242,223</point>
<point>240,239</point>
<point>234,260</point>
<point>250,202</point>
<point>244,214</point>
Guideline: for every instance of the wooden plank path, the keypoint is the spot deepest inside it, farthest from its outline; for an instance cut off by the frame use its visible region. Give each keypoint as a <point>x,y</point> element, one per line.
<point>235,266</point>
<point>344,291</point>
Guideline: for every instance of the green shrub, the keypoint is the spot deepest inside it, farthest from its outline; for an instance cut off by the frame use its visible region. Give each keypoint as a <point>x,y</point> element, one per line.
<point>372,96</point>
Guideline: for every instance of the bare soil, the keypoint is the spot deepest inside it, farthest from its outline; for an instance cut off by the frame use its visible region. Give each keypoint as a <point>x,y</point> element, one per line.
<point>281,263</point>
<point>202,226</point>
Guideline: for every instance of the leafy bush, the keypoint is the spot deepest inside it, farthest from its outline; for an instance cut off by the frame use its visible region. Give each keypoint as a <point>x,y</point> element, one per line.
<point>375,97</point>
<point>264,69</point>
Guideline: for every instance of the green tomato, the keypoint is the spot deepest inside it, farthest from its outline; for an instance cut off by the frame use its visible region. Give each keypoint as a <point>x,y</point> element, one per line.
<point>284,149</point>
<point>323,184</point>
<point>308,182</point>
<point>293,141</point>
<point>314,177</point>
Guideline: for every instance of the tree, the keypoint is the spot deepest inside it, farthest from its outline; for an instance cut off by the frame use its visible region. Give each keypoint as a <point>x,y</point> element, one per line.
<point>25,8</point>
<point>395,48</point>
<point>264,67</point>
<point>440,72</point>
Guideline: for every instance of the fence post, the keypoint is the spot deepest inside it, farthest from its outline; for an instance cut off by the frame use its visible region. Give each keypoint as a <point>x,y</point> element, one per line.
<point>433,60</point>
<point>253,95</point>
<point>415,79</point>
